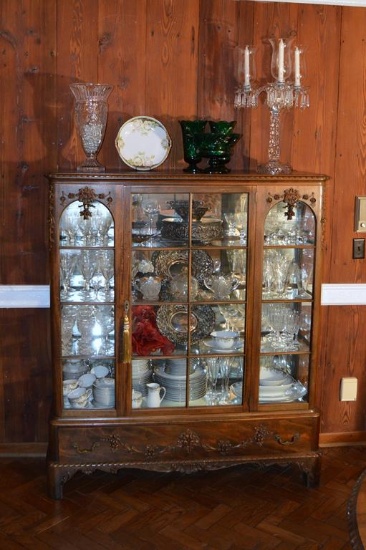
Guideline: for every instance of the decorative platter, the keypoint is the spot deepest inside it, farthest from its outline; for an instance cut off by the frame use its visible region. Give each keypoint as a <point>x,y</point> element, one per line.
<point>173,322</point>
<point>143,143</point>
<point>168,263</point>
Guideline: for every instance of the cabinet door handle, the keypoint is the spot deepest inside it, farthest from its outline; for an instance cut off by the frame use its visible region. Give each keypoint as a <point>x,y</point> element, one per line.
<point>291,441</point>
<point>126,337</point>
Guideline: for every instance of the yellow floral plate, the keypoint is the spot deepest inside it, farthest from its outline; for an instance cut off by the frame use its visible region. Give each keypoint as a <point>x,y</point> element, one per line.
<point>143,143</point>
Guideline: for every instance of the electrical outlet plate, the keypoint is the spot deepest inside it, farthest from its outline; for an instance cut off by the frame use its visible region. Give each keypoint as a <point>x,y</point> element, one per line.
<point>348,389</point>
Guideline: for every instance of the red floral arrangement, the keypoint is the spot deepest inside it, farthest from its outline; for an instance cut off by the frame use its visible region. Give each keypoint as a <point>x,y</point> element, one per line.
<point>146,338</point>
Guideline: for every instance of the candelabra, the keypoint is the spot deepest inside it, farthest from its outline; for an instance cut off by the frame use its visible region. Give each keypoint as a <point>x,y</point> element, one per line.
<point>279,95</point>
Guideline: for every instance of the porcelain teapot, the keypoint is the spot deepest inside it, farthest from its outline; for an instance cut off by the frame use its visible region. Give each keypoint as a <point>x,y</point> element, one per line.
<point>221,285</point>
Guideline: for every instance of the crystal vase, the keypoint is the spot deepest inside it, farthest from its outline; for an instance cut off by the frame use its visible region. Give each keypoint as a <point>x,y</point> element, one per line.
<point>91,111</point>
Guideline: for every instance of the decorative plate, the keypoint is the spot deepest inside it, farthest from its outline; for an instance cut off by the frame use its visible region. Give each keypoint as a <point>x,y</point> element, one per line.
<point>173,322</point>
<point>143,143</point>
<point>168,263</point>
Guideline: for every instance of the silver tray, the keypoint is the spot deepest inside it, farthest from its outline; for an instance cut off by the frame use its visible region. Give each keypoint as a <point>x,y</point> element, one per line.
<point>168,263</point>
<point>173,322</point>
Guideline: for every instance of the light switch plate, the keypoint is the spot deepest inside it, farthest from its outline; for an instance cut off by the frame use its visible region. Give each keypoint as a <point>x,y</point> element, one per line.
<point>360,215</point>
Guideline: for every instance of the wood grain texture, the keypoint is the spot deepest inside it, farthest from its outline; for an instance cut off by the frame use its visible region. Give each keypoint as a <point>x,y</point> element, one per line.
<point>174,59</point>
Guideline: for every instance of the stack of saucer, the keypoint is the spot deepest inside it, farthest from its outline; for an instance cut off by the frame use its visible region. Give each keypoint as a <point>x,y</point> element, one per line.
<point>141,375</point>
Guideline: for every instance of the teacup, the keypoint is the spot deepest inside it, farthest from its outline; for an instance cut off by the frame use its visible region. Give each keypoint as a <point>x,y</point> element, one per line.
<point>136,399</point>
<point>224,339</point>
<point>79,397</point>
<point>68,386</point>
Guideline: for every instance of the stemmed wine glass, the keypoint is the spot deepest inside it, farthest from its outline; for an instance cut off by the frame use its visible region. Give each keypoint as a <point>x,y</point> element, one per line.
<point>106,266</point>
<point>151,208</point>
<point>68,318</point>
<point>213,368</point>
<point>225,366</point>
<point>291,330</point>
<point>276,319</point>
<point>88,266</point>
<point>69,225</point>
<point>68,261</point>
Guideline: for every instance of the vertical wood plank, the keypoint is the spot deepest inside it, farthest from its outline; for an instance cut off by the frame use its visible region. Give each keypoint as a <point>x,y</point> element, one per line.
<point>344,349</point>
<point>171,66</point>
<point>121,61</point>
<point>77,55</point>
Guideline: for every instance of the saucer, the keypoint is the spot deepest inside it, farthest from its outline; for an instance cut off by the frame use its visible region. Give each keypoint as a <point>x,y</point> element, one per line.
<point>238,346</point>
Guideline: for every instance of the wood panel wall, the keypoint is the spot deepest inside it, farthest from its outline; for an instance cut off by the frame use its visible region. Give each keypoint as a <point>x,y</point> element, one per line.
<point>172,59</point>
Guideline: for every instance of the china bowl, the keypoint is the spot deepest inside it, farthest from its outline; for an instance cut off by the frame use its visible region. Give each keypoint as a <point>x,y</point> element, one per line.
<point>181,207</point>
<point>100,371</point>
<point>224,339</point>
<point>87,380</point>
<point>272,377</point>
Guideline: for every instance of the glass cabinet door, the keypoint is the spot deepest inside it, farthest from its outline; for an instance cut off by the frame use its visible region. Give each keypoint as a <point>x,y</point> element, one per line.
<point>87,306</point>
<point>287,306</point>
<point>188,296</point>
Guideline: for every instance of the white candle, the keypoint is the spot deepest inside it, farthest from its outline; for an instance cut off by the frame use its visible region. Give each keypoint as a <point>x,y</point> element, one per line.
<point>281,60</point>
<point>297,67</point>
<point>246,67</point>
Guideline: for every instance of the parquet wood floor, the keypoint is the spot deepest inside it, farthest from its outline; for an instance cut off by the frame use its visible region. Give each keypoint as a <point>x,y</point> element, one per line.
<point>239,508</point>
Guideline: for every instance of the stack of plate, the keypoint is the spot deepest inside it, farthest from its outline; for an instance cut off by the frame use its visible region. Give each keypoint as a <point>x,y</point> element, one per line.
<point>276,386</point>
<point>103,393</point>
<point>175,384</point>
<point>141,375</point>
<point>177,367</point>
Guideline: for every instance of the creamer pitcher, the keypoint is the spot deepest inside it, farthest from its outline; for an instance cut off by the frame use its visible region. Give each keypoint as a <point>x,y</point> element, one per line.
<point>155,394</point>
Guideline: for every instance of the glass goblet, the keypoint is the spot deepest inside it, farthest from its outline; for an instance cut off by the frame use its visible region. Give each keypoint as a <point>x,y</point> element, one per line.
<point>151,208</point>
<point>213,369</point>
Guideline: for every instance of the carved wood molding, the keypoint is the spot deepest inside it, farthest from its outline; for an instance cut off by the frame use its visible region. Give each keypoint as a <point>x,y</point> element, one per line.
<point>188,443</point>
<point>290,197</point>
<point>86,196</point>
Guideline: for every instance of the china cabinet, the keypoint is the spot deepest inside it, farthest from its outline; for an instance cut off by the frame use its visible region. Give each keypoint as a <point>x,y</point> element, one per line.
<point>185,320</point>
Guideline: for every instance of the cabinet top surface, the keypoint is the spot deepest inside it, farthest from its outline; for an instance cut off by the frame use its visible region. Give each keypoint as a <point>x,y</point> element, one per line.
<point>157,176</point>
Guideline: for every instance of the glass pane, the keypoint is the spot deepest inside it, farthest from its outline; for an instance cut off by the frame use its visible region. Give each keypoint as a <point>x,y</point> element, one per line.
<point>300,229</point>
<point>87,311</point>
<point>283,378</point>
<point>286,327</point>
<point>188,293</point>
<point>97,230</point>
<point>287,273</point>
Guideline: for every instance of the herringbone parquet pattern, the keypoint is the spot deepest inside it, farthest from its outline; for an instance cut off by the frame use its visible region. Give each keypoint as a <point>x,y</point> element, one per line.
<point>239,508</point>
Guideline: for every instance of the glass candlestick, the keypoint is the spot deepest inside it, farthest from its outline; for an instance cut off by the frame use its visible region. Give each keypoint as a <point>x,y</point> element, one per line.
<point>91,110</point>
<point>281,94</point>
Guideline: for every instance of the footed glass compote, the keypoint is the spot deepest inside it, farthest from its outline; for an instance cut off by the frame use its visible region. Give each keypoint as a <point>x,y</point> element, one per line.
<point>91,110</point>
<point>192,155</point>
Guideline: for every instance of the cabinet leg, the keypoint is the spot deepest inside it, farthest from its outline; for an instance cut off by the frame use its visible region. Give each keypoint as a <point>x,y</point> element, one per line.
<point>55,481</point>
<point>311,472</point>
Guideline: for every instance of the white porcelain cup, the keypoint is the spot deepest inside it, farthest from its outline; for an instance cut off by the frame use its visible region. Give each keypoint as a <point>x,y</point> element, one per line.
<point>68,386</point>
<point>224,339</point>
<point>79,397</point>
<point>136,399</point>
